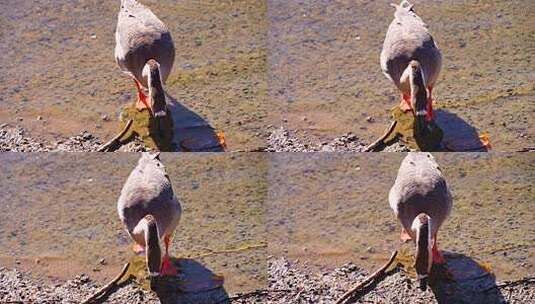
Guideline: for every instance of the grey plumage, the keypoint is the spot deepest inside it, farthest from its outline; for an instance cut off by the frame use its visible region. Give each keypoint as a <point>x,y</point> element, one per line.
<point>407,39</point>
<point>420,187</point>
<point>148,191</point>
<point>141,36</point>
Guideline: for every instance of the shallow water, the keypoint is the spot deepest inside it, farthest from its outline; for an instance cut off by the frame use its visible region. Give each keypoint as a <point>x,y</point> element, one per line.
<point>59,214</point>
<point>325,78</point>
<point>329,209</point>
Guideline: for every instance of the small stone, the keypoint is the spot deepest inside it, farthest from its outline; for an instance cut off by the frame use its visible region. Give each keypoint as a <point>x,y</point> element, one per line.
<point>370,119</point>
<point>39,117</point>
<point>102,261</point>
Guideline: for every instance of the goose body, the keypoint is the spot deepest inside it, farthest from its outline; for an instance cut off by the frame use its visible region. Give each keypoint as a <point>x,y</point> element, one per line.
<point>140,36</point>
<point>408,39</point>
<point>147,198</point>
<point>421,200</point>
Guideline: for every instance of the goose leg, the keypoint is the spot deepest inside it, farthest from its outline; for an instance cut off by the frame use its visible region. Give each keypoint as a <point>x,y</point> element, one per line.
<point>405,104</point>
<point>142,99</point>
<point>167,269</point>
<point>438,258</point>
<point>429,115</point>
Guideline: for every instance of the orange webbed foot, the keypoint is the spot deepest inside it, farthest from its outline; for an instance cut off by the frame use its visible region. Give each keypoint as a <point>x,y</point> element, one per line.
<point>142,100</point>
<point>404,236</point>
<point>429,107</point>
<point>405,104</point>
<point>138,249</point>
<point>438,258</point>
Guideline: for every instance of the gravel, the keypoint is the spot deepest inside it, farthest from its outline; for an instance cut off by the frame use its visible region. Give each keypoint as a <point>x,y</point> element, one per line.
<point>296,282</point>
<point>16,139</point>
<point>284,140</point>
<point>16,286</point>
<point>289,282</point>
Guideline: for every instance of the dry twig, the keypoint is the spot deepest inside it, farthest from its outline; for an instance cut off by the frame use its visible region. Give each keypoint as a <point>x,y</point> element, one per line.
<point>373,277</point>
<point>107,287</point>
<point>115,142</point>
<point>381,139</point>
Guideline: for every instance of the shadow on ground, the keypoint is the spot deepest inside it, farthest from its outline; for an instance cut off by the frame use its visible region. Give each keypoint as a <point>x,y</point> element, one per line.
<point>191,131</point>
<point>459,135</point>
<point>467,281</point>
<point>195,283</point>
<point>185,131</point>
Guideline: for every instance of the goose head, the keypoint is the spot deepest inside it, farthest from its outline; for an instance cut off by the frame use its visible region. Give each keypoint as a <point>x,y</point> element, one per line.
<point>414,76</point>
<point>151,166</point>
<point>151,71</point>
<point>421,226</point>
<point>153,252</point>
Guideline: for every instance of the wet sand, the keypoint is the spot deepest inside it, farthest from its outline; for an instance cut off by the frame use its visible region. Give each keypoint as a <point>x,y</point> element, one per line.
<point>329,209</point>
<point>325,78</point>
<point>222,225</point>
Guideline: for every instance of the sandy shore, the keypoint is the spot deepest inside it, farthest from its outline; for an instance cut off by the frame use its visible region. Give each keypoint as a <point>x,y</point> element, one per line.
<point>289,282</point>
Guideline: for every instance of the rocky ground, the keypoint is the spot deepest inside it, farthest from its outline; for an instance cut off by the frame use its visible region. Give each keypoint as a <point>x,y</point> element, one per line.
<point>289,282</point>
<point>295,282</point>
<point>285,140</point>
<point>16,139</point>
<point>16,287</point>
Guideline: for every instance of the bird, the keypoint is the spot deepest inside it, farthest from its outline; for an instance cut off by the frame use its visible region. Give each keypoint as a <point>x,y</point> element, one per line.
<point>150,212</point>
<point>411,59</point>
<point>144,49</point>
<point>421,200</point>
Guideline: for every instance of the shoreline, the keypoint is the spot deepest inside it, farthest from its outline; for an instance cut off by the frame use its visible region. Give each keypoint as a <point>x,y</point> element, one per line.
<point>289,282</point>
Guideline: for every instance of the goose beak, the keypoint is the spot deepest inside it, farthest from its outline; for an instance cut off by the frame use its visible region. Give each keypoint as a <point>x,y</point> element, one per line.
<point>158,104</point>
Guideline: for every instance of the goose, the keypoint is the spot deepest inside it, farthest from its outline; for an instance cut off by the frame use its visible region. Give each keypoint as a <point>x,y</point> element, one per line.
<point>144,50</point>
<point>150,212</point>
<point>411,59</point>
<point>421,200</point>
